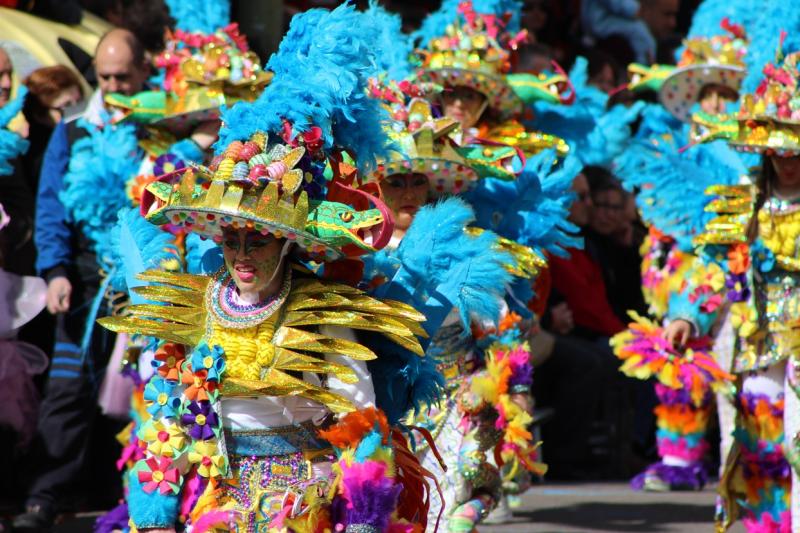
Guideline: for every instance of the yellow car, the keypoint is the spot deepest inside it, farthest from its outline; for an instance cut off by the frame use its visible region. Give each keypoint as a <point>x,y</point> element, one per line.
<point>34,42</point>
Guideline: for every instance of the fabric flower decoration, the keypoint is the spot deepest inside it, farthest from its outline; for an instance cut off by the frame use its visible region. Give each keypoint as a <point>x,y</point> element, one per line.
<point>160,474</point>
<point>739,258</point>
<point>198,388</point>
<point>763,258</point>
<point>210,463</point>
<point>167,440</point>
<point>158,395</point>
<point>738,290</point>
<point>167,163</point>
<point>200,420</point>
<point>744,319</point>
<point>168,360</point>
<point>209,359</point>
<point>711,276</point>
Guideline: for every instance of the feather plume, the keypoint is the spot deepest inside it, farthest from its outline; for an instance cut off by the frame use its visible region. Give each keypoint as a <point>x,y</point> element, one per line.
<point>137,246</point>
<point>102,162</point>
<point>322,68</point>
<point>393,47</point>
<point>11,144</point>
<point>671,183</point>
<point>204,16</point>
<point>533,209</point>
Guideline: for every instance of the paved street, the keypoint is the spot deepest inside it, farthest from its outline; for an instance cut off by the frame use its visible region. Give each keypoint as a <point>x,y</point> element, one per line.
<point>610,507</point>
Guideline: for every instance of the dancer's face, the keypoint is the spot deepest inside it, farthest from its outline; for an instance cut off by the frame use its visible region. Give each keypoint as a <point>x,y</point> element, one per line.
<point>788,172</point>
<point>405,194</point>
<point>252,259</point>
<point>715,97</point>
<point>463,104</point>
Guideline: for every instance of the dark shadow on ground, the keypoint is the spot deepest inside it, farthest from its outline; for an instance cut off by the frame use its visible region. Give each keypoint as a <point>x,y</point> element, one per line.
<point>620,517</point>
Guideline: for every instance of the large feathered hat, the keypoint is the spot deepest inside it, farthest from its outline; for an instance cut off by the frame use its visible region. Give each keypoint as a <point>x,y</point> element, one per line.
<point>769,119</point>
<point>716,60</point>
<point>201,72</point>
<point>279,167</point>
<point>475,50</point>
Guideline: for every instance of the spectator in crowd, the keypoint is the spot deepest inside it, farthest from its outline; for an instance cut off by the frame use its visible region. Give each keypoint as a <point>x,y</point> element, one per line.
<point>579,279</point>
<point>613,240</point>
<point>51,90</point>
<point>535,58</point>
<point>534,18</point>
<point>68,265</point>
<point>569,375</point>
<point>602,19</point>
<point>603,70</point>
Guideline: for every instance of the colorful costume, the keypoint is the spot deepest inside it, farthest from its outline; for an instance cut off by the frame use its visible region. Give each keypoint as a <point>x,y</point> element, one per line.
<point>671,184</point>
<point>241,434</point>
<point>756,274</point>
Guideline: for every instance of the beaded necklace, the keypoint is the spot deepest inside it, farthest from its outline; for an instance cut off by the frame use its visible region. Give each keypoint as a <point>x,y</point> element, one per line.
<point>221,300</point>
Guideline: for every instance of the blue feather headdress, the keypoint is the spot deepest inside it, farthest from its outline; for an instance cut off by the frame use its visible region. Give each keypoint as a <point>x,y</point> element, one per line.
<point>94,186</point>
<point>393,47</point>
<point>594,134</point>
<point>11,144</point>
<point>438,266</point>
<point>533,209</point>
<point>322,69</point>
<point>671,183</point>
<point>435,24</point>
<point>202,16</point>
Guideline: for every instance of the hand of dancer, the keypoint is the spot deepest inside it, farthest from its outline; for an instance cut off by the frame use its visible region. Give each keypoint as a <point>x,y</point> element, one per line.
<point>59,291</point>
<point>678,332</point>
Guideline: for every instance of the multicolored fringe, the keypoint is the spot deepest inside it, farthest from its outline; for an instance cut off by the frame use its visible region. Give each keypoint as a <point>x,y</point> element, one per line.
<point>508,372</point>
<point>766,472</point>
<point>686,379</point>
<point>663,269</point>
<point>367,486</point>
<point>681,435</point>
<point>646,353</point>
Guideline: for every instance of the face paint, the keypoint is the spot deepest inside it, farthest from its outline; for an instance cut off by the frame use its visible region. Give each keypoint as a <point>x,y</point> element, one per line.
<point>252,260</point>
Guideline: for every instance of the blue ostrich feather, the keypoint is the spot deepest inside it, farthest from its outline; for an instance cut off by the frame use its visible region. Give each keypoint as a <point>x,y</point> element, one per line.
<point>322,68</point>
<point>94,186</point>
<point>204,16</point>
<point>671,183</point>
<point>203,256</point>
<point>137,246</point>
<point>531,210</point>
<point>772,17</point>
<point>435,24</point>
<point>436,267</point>
<point>596,135</point>
<point>394,46</point>
<point>11,144</point>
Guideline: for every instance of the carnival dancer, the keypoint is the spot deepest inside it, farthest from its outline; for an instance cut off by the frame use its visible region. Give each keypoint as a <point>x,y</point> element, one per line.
<point>465,62</point>
<point>259,359</point>
<point>486,403</point>
<point>751,259</point>
<point>670,181</point>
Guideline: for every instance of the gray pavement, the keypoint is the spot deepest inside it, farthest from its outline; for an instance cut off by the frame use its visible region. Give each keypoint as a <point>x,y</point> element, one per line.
<point>610,507</point>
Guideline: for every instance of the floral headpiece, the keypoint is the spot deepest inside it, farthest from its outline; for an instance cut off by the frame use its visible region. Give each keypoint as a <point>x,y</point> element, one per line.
<point>715,60</point>
<point>202,72</point>
<point>276,188</point>
<point>769,119</point>
<point>422,141</point>
<point>476,51</point>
